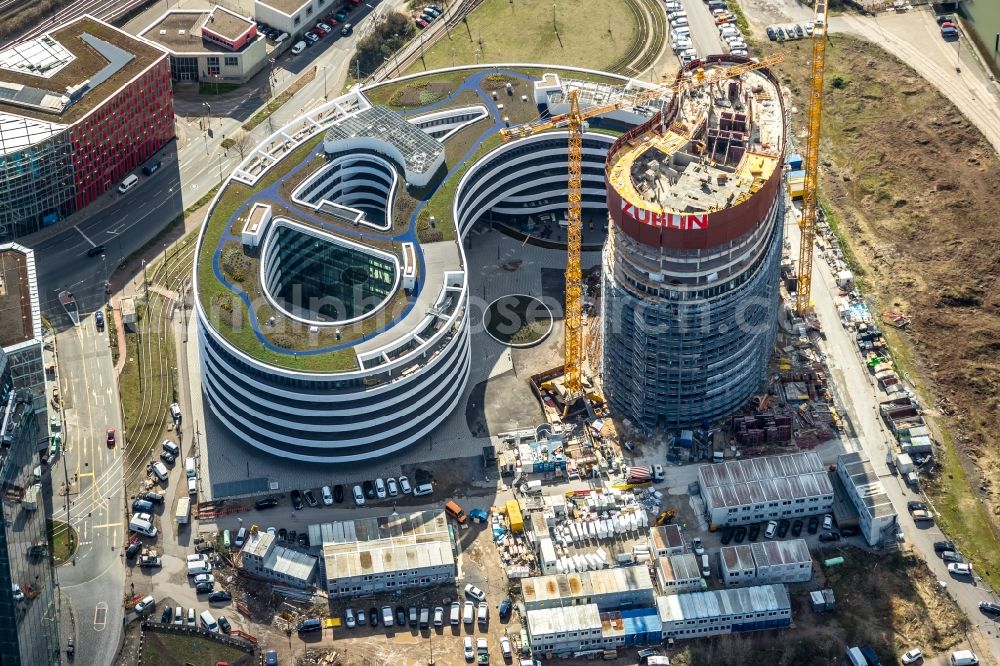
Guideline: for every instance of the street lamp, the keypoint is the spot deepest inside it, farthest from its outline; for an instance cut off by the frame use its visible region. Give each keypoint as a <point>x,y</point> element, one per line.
<point>208,113</point>
<point>324,82</point>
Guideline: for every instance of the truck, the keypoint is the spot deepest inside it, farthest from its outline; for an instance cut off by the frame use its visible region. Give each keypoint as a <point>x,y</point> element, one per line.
<point>639,475</point>
<point>183,510</point>
<point>904,463</point>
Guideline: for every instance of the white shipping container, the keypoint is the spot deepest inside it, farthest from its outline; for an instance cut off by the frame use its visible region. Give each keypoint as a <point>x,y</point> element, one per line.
<point>591,530</point>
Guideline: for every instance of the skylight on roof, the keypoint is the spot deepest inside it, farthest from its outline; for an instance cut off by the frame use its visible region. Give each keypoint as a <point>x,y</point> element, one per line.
<point>42,56</point>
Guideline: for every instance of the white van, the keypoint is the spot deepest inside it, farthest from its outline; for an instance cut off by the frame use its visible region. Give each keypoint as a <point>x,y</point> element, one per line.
<point>423,489</point>
<point>855,657</point>
<point>192,485</point>
<point>175,412</point>
<point>142,523</point>
<point>130,181</point>
<point>208,622</point>
<point>241,537</point>
<point>730,32</point>
<point>964,658</point>
<point>189,468</point>
<point>199,567</point>
<point>706,570</point>
<point>160,470</point>
<point>298,48</point>
<point>532,487</point>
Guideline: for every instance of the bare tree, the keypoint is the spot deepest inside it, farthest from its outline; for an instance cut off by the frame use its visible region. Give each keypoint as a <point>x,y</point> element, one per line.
<point>243,143</point>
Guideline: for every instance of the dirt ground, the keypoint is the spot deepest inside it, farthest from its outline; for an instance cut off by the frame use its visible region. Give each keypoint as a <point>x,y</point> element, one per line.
<point>890,603</point>
<point>914,185</point>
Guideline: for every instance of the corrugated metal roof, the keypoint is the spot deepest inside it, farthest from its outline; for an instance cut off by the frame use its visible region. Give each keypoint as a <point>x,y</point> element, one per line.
<point>547,621</point>
<point>718,603</point>
<point>761,480</point>
<point>738,558</point>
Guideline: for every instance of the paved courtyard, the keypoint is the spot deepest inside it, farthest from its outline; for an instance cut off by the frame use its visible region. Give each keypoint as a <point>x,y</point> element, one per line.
<point>499,266</point>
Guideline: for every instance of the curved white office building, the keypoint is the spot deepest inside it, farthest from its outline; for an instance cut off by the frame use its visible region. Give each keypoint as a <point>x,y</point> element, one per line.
<point>332,329</point>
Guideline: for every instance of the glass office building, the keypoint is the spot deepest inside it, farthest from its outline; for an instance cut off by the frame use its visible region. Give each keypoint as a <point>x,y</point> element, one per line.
<point>29,618</point>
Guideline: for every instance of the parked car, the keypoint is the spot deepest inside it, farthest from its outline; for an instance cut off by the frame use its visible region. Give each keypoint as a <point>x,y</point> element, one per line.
<point>311,38</point>
<point>912,656</point>
<point>783,526</point>
<point>945,18</point>
<point>144,605</point>
<point>915,506</point>
<point>327,495</point>
<point>338,493</point>
<point>949,32</point>
<point>505,648</point>
<point>799,32</point>
<point>178,615</point>
<point>796,528</point>
<point>373,616</point>
<point>989,608</point>
<point>772,528</point>
<point>324,27</point>
<point>813,525</point>
<point>849,530</point>
<point>960,569</point>
<point>943,545</point>
<point>369,488</point>
<point>697,547</point>
<point>475,593</point>
<point>438,616</point>
<point>204,588</point>
<point>204,578</point>
<point>224,624</point>
<point>781,32</point>
<point>505,609</point>
<point>349,618</point>
<point>400,616</point>
<point>320,32</point>
<point>952,556</point>
<point>310,498</point>
<point>391,486</point>
<point>421,23</point>
<point>809,28</point>
<point>361,617</point>
<point>404,485</point>
<point>191,617</point>
<point>298,47</point>
<point>754,532</point>
<point>772,34</point>
<point>387,620</point>
<point>303,539</point>
<point>727,535</point>
<point>829,536</point>
<point>112,438</point>
<point>297,499</point>
<point>827,522</point>
<point>922,516</point>
<point>266,503</point>
<point>359,496</point>
<point>166,615</point>
<point>470,654</point>
<point>740,534</point>
<point>219,597</point>
<point>133,550</point>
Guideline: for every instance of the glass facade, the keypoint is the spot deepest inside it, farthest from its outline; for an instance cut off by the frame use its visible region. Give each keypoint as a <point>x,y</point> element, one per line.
<point>36,187</point>
<point>29,629</point>
<point>48,181</point>
<point>686,350</point>
<point>322,280</point>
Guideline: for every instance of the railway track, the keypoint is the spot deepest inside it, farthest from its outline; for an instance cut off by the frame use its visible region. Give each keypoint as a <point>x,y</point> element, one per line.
<point>652,25</point>
<point>110,484</point>
<point>106,10</point>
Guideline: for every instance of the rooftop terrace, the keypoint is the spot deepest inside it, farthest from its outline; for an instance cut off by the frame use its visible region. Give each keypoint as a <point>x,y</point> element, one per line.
<point>19,314</point>
<point>80,66</point>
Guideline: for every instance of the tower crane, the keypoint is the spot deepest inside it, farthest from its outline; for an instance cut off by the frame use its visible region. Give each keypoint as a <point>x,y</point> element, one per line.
<point>573,120</point>
<point>803,289</point>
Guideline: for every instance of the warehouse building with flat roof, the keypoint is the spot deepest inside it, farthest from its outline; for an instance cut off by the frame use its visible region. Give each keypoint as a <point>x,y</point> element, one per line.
<point>750,490</point>
<point>766,562</point>
<point>679,573</point>
<point>876,515</point>
<point>609,589</point>
<point>374,555</point>
<point>717,612</point>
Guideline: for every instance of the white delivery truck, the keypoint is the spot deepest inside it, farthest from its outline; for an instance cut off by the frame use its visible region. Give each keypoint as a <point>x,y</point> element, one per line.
<point>183,510</point>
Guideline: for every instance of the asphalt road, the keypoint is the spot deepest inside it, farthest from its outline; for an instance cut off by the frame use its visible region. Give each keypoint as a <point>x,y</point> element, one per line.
<point>95,505</point>
<point>855,386</point>
<point>704,35</point>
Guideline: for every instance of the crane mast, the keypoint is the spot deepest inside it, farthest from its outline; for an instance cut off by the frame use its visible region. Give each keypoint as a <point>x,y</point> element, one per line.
<point>803,292</point>
<point>573,121</point>
<point>573,318</point>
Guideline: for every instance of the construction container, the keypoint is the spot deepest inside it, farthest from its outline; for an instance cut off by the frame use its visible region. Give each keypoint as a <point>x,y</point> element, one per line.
<point>904,463</point>
<point>514,515</point>
<point>796,188</point>
<point>794,161</point>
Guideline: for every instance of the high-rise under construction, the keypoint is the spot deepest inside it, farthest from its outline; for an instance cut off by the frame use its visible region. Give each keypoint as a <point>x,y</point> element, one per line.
<point>691,264</point>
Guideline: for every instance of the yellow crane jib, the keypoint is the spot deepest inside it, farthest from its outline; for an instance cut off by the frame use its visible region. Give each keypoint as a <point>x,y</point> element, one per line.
<point>573,120</point>
<point>803,290</point>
